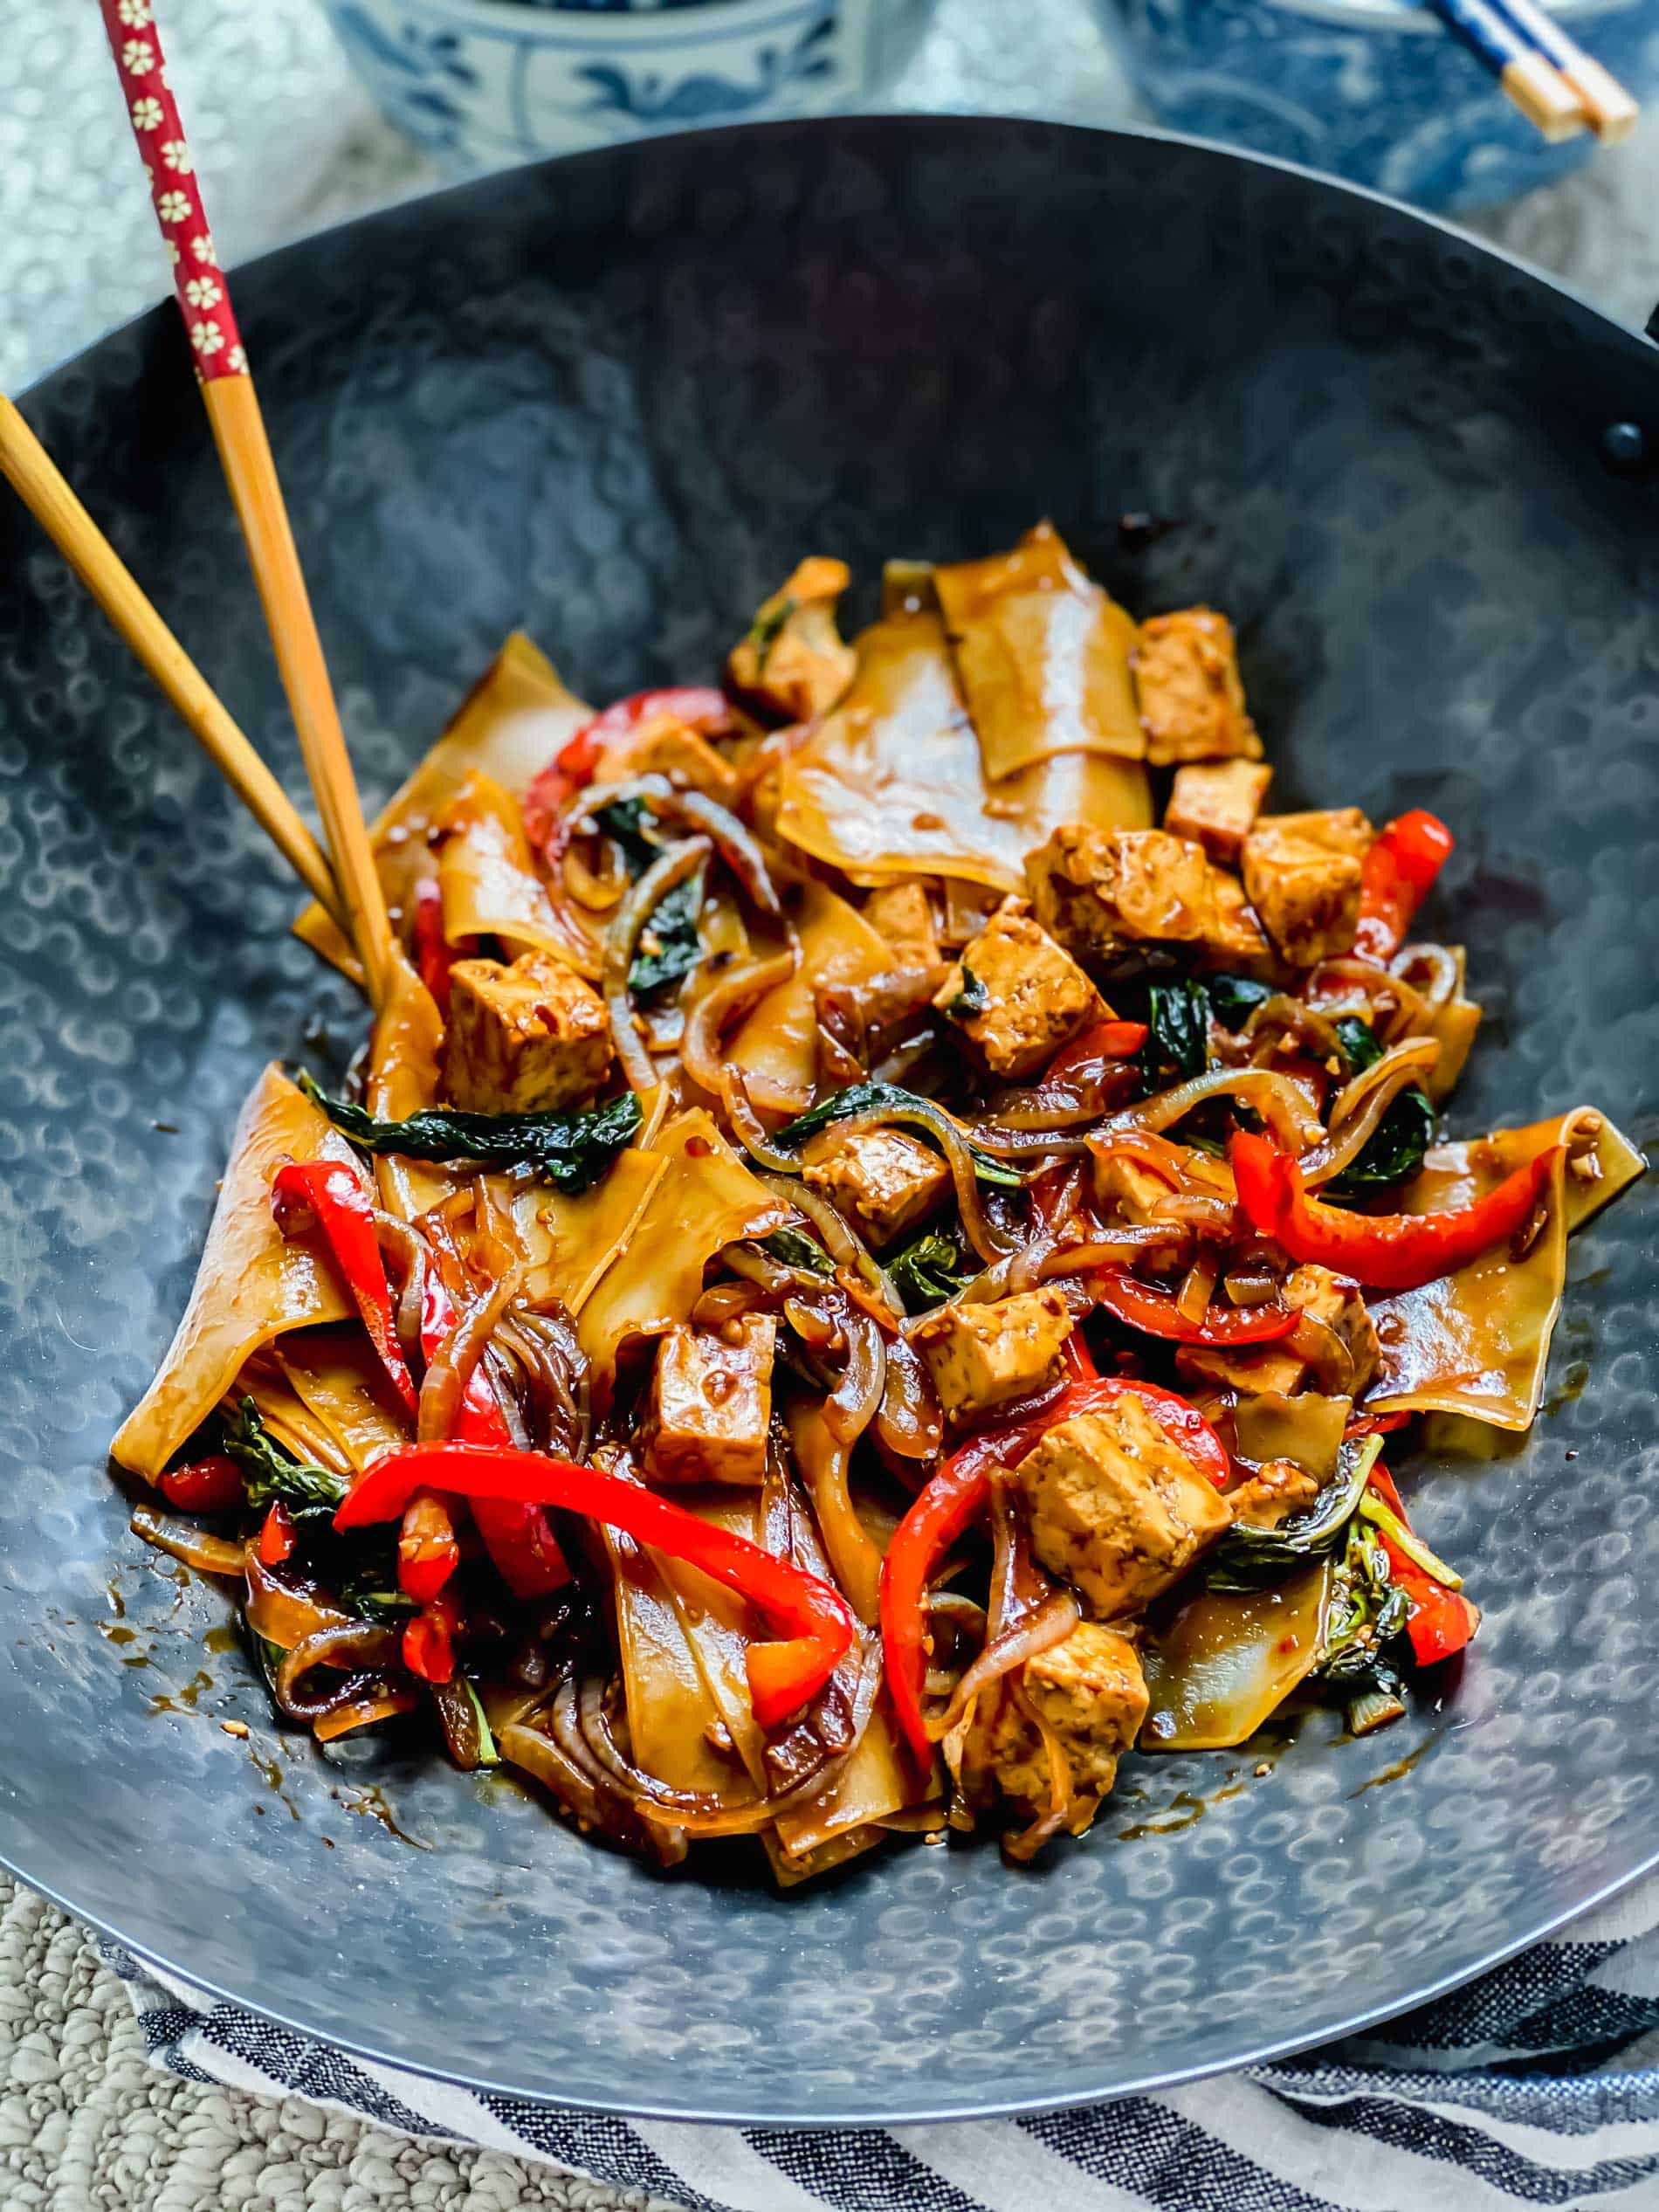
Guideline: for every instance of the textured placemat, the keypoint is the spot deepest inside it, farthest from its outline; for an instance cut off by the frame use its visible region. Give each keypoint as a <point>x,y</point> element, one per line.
<point>88,2125</point>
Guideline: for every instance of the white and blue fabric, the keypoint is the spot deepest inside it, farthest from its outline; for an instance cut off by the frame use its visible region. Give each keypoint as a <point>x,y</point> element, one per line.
<point>1537,2085</point>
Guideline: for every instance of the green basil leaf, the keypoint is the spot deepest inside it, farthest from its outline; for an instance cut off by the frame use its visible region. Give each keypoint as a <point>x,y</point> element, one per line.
<point>928,1271</point>
<point>570,1151</point>
<point>872,1097</point>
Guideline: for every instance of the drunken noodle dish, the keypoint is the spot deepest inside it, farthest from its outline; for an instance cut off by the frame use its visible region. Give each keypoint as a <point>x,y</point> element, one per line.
<point>869,1262</point>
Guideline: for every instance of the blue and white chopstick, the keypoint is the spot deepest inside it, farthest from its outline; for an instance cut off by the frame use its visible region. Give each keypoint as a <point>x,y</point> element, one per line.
<point>1527,76</point>
<point>1610,109</point>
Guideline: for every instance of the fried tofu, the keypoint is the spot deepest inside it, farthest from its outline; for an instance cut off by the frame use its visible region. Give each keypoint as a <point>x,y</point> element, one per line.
<point>887,1181</point>
<point>1186,679</point>
<point>711,1402</point>
<point>1274,1369</point>
<point>1277,1491</point>
<point>1090,1691</point>
<point>1301,875</point>
<point>1105,892</point>
<point>1100,890</point>
<point>902,916</point>
<point>1214,804</point>
<point>1233,937</point>
<point>1016,996</point>
<point>794,661</point>
<point>1117,1509</point>
<point>523,1039</point>
<point>981,1356</point>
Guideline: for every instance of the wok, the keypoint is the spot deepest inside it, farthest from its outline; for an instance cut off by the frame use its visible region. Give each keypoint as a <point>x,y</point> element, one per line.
<point>613,399</point>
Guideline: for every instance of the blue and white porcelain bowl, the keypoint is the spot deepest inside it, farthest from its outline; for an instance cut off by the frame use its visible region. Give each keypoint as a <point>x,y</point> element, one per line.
<point>1375,90</point>
<point>482,83</point>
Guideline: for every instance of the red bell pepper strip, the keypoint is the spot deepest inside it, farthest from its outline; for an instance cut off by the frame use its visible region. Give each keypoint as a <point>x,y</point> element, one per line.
<point>696,706</point>
<point>276,1536</point>
<point>960,1492</point>
<point>211,1485</point>
<point>1442,1622</point>
<point>1156,1314</point>
<point>1077,1360</point>
<point>1395,877</point>
<point>427,1552</point>
<point>1372,1425</point>
<point>434,954</point>
<point>519,1539</point>
<point>429,1640</point>
<point>329,1192</point>
<point>816,1625</point>
<point>1100,1041</point>
<point>1388,1251</point>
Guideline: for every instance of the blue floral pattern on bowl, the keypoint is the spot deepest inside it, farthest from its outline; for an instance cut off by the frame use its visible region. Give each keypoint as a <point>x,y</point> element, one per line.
<point>1375,90</point>
<point>479,83</point>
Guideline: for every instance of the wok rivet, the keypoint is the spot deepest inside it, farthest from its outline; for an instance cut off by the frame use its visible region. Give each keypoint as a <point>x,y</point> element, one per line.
<point>1623,446</point>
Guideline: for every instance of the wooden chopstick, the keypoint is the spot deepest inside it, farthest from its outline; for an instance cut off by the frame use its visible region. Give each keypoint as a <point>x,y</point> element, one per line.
<point>1611,108</point>
<point>245,454</point>
<point>43,489</point>
<point>1527,76</point>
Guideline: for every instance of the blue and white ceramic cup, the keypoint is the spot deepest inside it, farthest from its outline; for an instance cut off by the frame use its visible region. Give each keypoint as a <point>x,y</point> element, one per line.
<point>1375,90</point>
<point>482,83</point>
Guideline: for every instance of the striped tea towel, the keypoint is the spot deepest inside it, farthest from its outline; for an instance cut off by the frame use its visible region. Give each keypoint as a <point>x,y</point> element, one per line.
<point>1537,2085</point>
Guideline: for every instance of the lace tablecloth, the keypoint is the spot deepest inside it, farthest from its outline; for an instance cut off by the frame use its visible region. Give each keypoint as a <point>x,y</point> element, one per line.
<point>287,142</point>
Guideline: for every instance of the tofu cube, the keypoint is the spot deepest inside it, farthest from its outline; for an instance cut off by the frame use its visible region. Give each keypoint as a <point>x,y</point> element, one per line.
<point>1301,875</point>
<point>711,1404</point>
<point>1233,937</point>
<point>981,1356</point>
<point>1102,890</point>
<point>523,1039</point>
<point>1214,804</point>
<point>1270,1367</point>
<point>1092,1694</point>
<point>1186,679</point>
<point>1016,996</point>
<point>902,916</point>
<point>1277,1490</point>
<point>1340,1305</point>
<point>793,662</point>
<point>887,1181</point>
<point>1117,1509</point>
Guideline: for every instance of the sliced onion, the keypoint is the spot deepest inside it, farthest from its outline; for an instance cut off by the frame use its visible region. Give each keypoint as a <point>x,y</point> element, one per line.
<point>841,1240</point>
<point>1280,1100</point>
<point>1198,1286</point>
<point>1029,1840</point>
<point>279,1614</point>
<point>354,1646</point>
<point>1328,1355</point>
<point>181,1540</point>
<point>593,1801</point>
<point>675,862</point>
<point>1360,1107</point>
<point>396,1236</point>
<point>736,845</point>
<point>1442,965</point>
<point>855,1559</point>
<point>742,1094</point>
<point>598,893</point>
<point>1051,1624</point>
<point>723,1003</point>
<point>446,1378</point>
<point>909,1421</point>
<point>382,1704</point>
